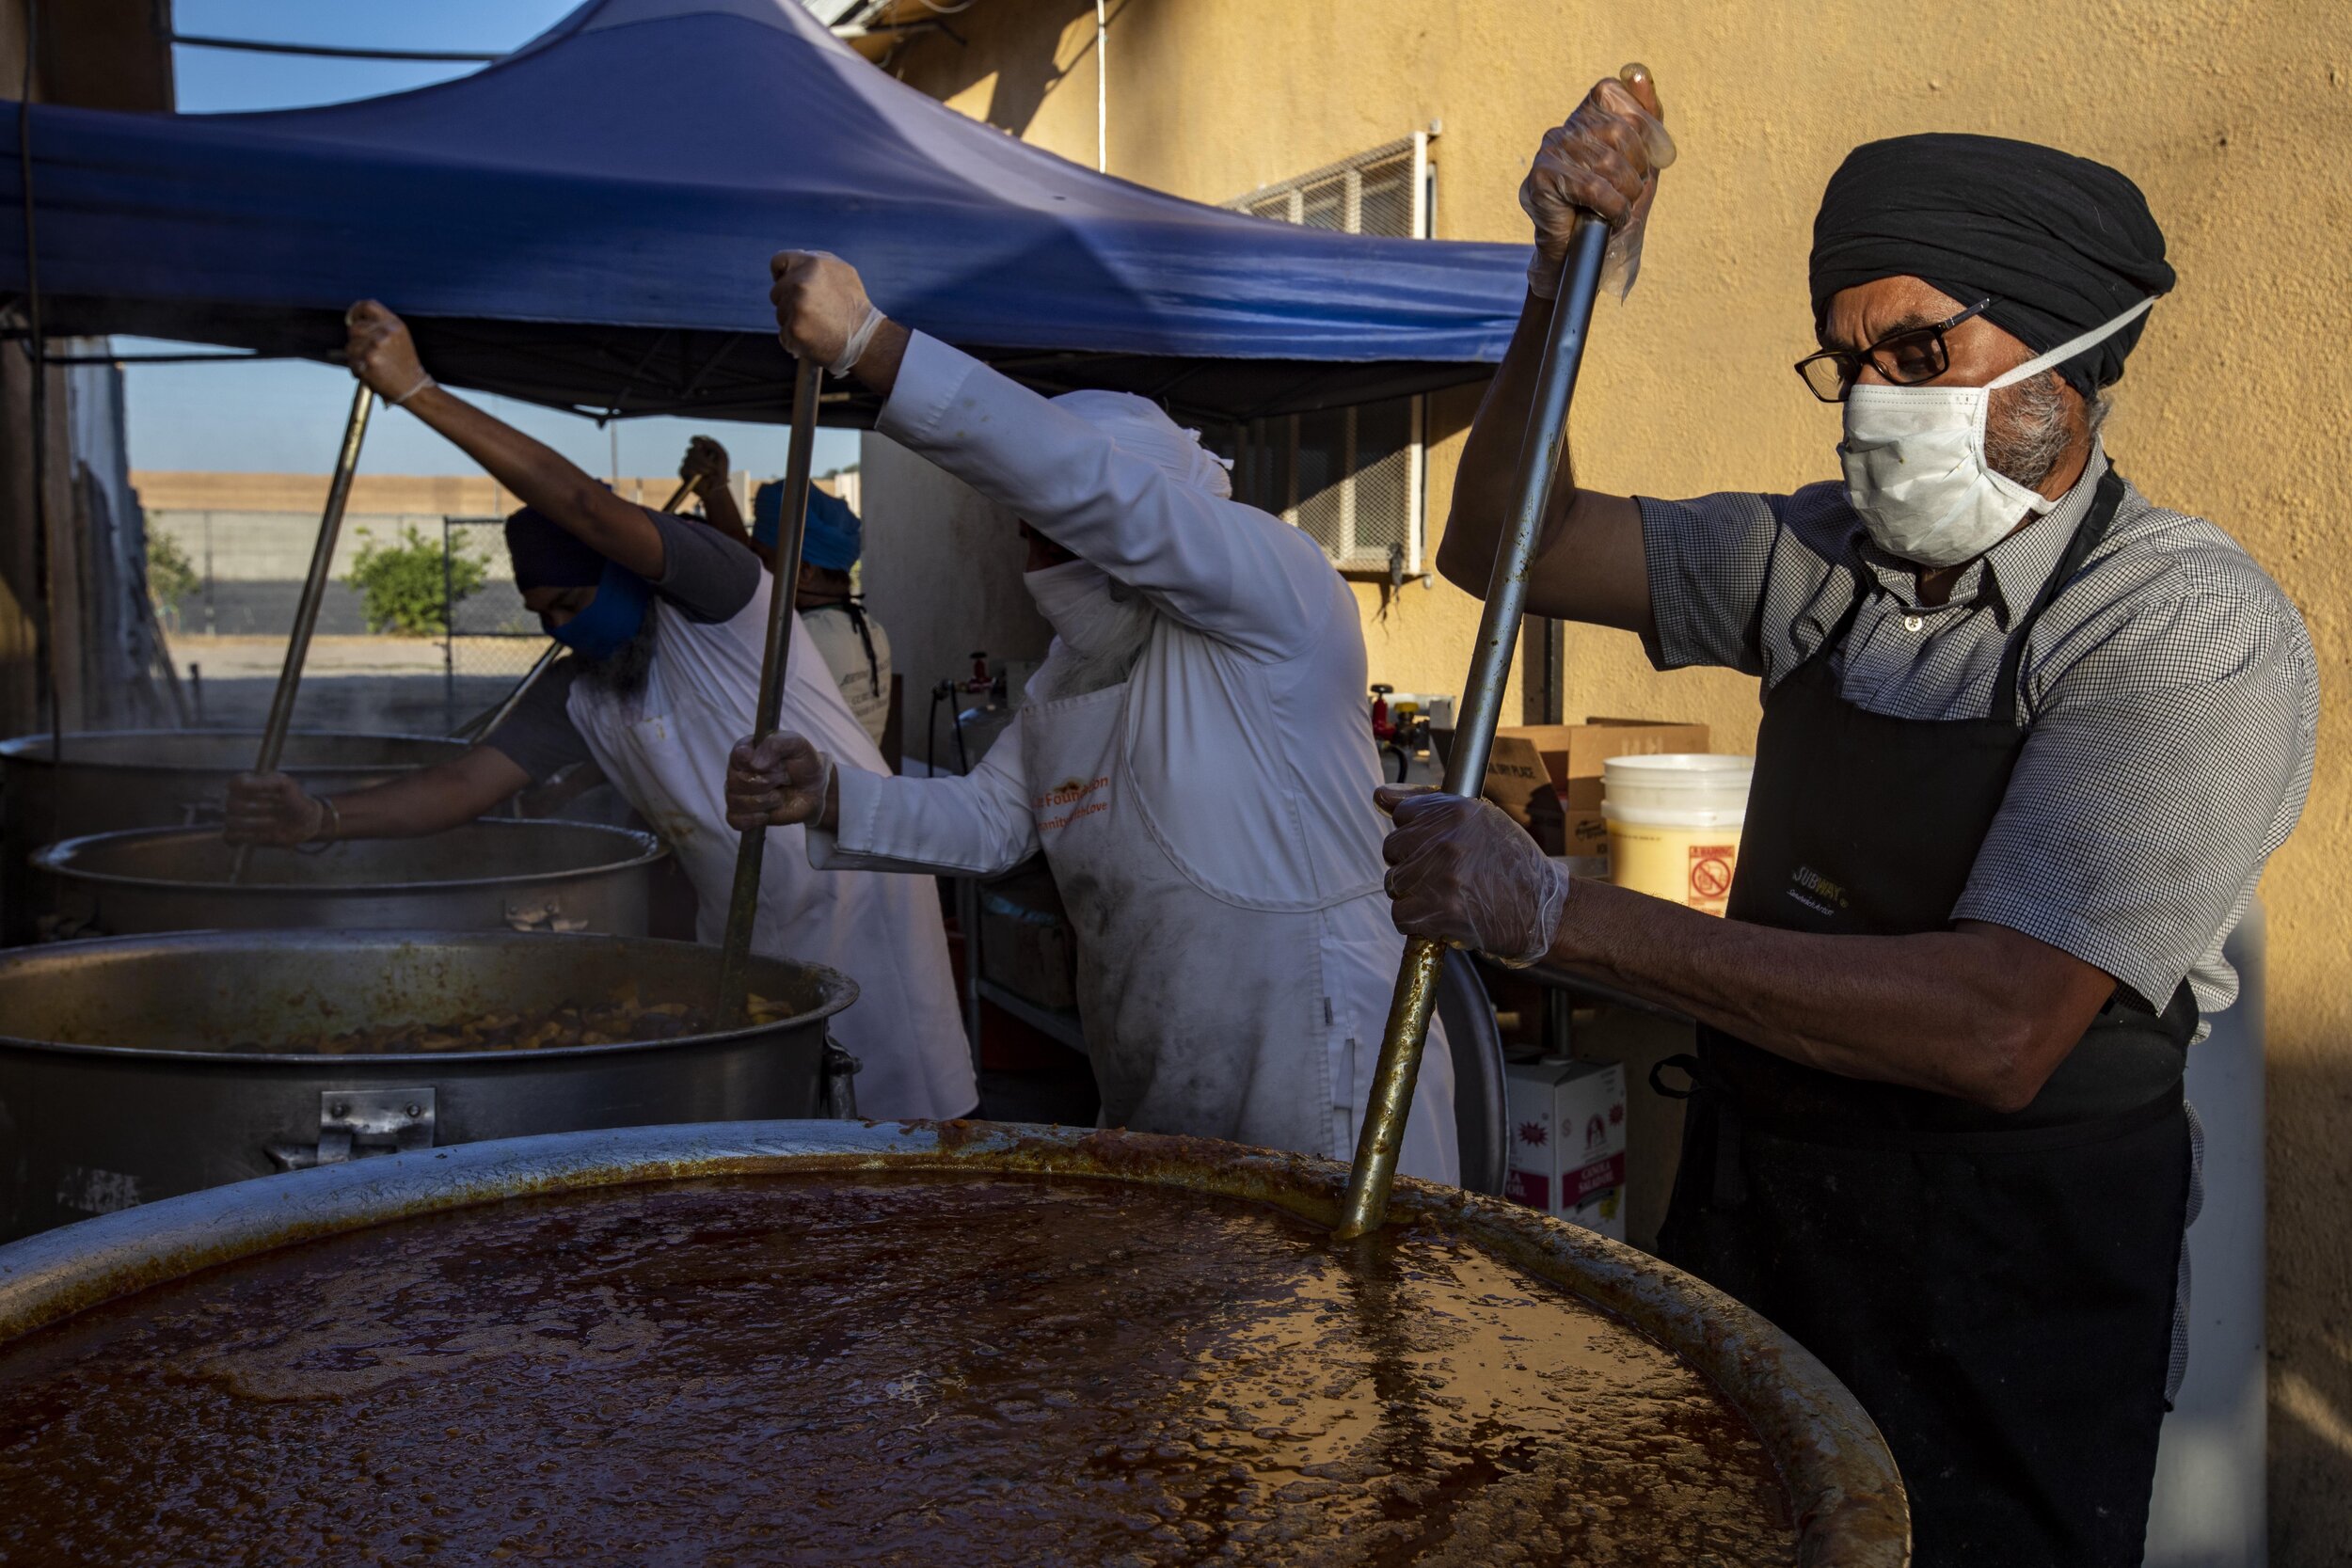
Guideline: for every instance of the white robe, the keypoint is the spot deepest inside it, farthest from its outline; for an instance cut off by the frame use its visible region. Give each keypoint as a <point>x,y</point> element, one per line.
<point>1209,820</point>
<point>665,747</point>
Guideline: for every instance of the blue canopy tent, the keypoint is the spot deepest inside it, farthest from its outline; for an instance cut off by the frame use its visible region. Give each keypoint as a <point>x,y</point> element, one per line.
<point>587,223</point>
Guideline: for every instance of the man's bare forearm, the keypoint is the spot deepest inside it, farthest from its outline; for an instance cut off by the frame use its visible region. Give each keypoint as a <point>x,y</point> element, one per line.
<point>720,511</point>
<point>545,479</point>
<point>431,799</point>
<point>1490,455</point>
<point>1979,1012</point>
<point>1590,564</point>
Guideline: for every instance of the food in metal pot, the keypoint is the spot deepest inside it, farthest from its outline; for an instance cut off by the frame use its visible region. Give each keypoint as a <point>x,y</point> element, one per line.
<point>608,1023</point>
<point>884,1369</point>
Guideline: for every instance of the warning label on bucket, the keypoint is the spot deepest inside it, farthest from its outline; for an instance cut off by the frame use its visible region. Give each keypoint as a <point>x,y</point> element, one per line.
<point>1710,876</point>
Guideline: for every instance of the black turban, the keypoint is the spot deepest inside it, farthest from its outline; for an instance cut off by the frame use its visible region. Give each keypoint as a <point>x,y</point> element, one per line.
<point>546,556</point>
<point>2061,244</point>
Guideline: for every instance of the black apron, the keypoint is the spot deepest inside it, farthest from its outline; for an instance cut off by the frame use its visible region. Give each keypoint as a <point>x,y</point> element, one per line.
<point>1996,1289</point>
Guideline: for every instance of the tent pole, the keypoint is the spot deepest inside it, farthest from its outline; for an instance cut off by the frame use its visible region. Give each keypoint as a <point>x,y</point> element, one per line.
<point>1366,1205</point>
<point>751,855</point>
<point>314,593</point>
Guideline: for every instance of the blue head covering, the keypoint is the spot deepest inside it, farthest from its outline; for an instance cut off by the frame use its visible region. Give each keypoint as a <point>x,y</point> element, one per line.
<point>834,538</point>
<point>546,555</point>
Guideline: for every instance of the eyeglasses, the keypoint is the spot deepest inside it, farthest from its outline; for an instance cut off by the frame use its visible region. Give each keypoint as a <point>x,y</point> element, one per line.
<point>1908,357</point>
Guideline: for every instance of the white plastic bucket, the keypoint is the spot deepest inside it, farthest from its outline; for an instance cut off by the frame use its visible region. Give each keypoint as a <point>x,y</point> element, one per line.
<point>1674,824</point>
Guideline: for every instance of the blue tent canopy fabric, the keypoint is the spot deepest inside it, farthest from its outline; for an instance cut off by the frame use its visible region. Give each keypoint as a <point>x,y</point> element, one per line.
<point>587,223</point>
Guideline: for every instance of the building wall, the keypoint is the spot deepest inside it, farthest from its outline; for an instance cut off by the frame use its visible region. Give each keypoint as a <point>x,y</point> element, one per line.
<point>99,54</point>
<point>941,573</point>
<point>2235,118</point>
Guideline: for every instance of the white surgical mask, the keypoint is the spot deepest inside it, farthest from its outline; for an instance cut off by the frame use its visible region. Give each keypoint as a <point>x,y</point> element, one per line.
<point>1915,468</point>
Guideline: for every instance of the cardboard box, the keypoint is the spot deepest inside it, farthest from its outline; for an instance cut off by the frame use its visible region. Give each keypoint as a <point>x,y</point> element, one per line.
<point>1567,1123</point>
<point>1547,776</point>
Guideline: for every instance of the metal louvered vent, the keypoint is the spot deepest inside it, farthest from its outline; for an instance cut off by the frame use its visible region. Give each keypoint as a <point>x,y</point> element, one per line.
<point>1351,478</point>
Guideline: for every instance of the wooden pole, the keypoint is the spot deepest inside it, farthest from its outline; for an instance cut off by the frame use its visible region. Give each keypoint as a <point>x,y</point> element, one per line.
<point>281,703</point>
<point>751,855</point>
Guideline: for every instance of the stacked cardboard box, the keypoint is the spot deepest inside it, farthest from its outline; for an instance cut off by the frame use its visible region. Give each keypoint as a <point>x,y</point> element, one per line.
<point>1547,778</point>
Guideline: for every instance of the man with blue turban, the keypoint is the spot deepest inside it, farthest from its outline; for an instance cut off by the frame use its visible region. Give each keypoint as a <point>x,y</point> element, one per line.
<point>667,622</point>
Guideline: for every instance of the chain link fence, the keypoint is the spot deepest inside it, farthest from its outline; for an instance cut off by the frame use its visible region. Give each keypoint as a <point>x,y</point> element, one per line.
<point>492,639</point>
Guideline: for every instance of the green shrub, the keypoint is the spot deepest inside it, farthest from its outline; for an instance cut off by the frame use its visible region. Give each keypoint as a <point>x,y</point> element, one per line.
<point>403,585</point>
<point>170,574</point>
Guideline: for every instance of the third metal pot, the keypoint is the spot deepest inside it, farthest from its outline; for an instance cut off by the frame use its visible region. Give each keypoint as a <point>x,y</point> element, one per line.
<point>486,876</point>
<point>115,779</point>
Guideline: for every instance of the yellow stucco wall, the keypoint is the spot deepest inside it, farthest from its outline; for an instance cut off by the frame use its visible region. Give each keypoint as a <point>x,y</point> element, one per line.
<point>2236,118</point>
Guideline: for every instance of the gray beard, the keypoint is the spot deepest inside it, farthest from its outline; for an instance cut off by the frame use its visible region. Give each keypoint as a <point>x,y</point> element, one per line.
<point>2026,429</point>
<point>623,671</point>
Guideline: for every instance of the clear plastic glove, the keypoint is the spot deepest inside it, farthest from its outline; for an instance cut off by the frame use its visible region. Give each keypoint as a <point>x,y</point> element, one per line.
<point>776,782</point>
<point>1464,872</point>
<point>821,308</point>
<point>271,808</point>
<point>1604,160</point>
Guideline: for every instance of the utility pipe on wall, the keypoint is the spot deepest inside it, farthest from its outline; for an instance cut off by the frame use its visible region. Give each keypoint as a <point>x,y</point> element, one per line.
<point>1102,92</point>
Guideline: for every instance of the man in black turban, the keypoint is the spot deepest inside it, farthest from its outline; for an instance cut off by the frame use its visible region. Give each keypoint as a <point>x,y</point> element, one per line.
<point>2028,740</point>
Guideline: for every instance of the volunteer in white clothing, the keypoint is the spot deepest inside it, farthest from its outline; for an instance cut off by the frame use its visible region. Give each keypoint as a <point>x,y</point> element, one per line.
<point>667,622</point>
<point>1192,757</point>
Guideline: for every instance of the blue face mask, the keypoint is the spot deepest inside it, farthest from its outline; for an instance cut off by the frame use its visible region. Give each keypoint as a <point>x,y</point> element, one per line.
<point>611,617</point>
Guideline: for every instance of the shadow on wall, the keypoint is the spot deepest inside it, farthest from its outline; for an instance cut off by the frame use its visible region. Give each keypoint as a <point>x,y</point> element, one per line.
<point>1024,78</point>
<point>2310,1348</point>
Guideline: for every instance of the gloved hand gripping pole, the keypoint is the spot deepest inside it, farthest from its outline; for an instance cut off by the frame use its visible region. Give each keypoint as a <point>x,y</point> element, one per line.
<point>1374,1172</point>
<point>743,903</point>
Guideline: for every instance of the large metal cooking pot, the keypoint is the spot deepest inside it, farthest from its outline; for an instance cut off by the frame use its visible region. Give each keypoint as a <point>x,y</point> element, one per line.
<point>119,1083</point>
<point>1844,1493</point>
<point>487,876</point>
<point>158,779</point>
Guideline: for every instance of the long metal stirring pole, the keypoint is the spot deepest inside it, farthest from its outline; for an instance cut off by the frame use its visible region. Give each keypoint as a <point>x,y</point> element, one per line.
<point>751,855</point>
<point>491,718</point>
<point>1375,1170</point>
<point>281,703</point>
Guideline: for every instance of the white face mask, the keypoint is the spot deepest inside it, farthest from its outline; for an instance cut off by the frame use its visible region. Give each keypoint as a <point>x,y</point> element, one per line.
<point>1102,625</point>
<point>1915,468</point>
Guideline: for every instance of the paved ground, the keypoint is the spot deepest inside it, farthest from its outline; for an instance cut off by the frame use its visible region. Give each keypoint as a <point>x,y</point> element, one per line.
<point>390,684</point>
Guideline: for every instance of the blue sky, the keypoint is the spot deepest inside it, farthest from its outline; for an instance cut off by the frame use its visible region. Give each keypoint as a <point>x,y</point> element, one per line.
<point>283,418</point>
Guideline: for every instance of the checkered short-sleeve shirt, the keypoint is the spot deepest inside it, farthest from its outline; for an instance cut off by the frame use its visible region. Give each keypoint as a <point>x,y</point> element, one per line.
<point>2169,693</point>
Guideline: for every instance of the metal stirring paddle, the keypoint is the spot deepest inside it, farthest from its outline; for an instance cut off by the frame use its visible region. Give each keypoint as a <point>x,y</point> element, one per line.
<point>743,902</point>
<point>1373,1171</point>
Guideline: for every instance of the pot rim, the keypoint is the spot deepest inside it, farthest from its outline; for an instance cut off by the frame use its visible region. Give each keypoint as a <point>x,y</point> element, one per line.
<point>837,992</point>
<point>1847,1499</point>
<point>55,859</point>
<point>33,749</point>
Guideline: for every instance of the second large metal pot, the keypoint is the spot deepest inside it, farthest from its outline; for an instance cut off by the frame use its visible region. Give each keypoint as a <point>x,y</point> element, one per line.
<point>138,1068</point>
<point>488,876</point>
<point>158,779</point>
